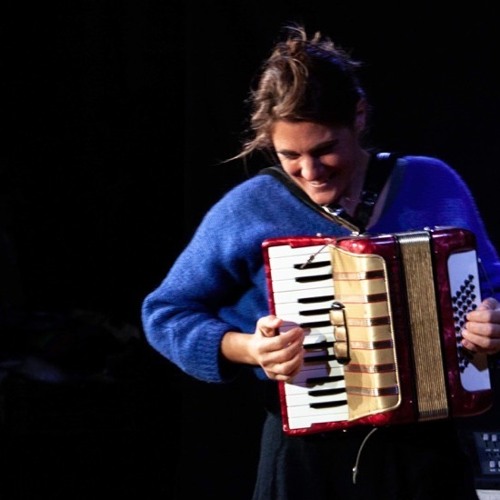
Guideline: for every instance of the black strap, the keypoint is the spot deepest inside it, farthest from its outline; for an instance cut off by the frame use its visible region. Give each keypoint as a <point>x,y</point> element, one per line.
<point>379,168</point>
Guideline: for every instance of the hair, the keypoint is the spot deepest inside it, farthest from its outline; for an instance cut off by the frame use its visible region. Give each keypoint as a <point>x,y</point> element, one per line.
<point>304,79</point>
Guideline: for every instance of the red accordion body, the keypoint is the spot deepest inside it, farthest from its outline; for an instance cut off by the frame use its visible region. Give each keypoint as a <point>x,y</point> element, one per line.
<point>384,315</point>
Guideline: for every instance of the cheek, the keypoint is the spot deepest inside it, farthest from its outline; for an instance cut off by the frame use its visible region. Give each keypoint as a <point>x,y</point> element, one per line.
<point>290,167</point>
<point>331,161</point>
<point>337,164</point>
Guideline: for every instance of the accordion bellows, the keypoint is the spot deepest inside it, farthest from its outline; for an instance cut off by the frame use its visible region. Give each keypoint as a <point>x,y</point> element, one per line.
<point>384,315</point>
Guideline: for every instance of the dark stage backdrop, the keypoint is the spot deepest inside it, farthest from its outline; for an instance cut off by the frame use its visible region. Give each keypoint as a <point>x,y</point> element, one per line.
<point>116,116</point>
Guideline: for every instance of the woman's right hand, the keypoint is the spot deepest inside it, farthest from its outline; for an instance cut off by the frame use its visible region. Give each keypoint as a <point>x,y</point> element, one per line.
<point>279,354</point>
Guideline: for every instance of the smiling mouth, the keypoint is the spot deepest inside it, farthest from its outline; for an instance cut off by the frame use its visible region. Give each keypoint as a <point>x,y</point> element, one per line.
<point>329,180</point>
<point>321,185</point>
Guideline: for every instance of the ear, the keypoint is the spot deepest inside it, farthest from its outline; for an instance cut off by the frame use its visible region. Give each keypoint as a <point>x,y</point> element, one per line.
<point>361,116</point>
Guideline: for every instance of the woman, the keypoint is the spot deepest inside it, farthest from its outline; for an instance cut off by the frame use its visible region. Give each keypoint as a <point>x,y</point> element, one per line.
<point>210,315</point>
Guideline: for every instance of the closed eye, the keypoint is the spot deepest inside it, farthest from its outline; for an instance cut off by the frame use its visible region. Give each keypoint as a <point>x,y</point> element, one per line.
<point>324,149</point>
<point>318,151</point>
<point>288,155</point>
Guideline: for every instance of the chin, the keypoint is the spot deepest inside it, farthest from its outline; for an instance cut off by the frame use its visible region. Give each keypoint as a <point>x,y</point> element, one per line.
<point>322,200</point>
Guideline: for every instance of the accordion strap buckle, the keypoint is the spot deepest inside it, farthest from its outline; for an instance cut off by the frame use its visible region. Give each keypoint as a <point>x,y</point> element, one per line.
<point>340,332</point>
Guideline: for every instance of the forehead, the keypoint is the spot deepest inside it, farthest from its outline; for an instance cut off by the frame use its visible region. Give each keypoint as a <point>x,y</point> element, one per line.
<point>303,135</point>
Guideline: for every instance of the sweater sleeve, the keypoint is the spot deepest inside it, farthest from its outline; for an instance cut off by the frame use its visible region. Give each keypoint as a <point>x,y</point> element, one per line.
<point>216,285</point>
<point>180,317</point>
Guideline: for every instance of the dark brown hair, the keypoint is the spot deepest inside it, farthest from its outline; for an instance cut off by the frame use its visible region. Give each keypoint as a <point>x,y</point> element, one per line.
<point>304,79</point>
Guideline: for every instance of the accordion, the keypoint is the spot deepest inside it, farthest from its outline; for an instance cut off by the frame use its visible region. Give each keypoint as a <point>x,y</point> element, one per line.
<point>383,316</point>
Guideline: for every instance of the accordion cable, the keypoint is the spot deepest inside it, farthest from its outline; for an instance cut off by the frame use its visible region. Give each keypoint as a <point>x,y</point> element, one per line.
<point>355,469</point>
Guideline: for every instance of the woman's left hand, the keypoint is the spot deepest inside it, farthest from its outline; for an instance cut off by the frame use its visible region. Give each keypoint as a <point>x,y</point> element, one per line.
<point>482,329</point>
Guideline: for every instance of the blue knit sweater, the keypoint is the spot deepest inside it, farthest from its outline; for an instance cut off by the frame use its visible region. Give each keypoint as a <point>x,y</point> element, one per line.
<point>218,282</point>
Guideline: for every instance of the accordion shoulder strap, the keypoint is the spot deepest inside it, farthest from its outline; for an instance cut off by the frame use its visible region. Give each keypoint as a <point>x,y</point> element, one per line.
<point>379,168</point>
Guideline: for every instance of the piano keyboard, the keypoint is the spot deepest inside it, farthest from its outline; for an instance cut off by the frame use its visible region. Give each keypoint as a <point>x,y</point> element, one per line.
<point>303,295</point>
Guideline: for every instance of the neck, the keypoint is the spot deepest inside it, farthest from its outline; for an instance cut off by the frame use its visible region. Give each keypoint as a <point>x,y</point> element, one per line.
<point>350,199</point>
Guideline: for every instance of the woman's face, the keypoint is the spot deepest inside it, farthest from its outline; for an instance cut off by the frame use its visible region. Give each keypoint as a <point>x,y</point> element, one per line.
<point>325,161</point>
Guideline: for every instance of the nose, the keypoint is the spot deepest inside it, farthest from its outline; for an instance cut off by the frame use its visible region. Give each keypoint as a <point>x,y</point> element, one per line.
<point>310,167</point>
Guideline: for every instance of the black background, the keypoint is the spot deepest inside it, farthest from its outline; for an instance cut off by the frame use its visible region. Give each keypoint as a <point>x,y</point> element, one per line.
<point>115,116</point>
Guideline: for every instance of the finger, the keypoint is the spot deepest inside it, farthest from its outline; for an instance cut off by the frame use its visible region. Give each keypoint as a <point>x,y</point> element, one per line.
<point>489,303</point>
<point>268,332</point>
<point>268,326</point>
<point>287,370</point>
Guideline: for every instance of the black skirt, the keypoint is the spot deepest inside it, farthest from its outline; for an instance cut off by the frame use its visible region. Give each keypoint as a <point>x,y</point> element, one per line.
<point>423,461</point>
